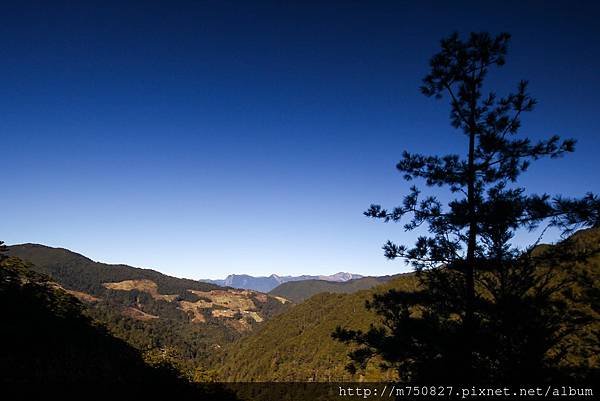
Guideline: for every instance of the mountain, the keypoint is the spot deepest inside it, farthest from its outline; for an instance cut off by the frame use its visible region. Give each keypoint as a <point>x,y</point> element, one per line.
<point>153,312</point>
<point>205,330</point>
<point>297,345</point>
<point>51,339</point>
<point>266,284</point>
<point>298,291</point>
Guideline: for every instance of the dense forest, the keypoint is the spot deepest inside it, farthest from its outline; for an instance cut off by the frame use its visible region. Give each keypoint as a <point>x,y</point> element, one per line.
<point>51,343</point>
<point>294,344</point>
<point>297,345</point>
<point>77,272</point>
<point>156,313</point>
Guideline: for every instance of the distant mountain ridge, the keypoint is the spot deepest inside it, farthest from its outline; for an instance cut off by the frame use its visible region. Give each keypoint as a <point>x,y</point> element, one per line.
<point>266,284</point>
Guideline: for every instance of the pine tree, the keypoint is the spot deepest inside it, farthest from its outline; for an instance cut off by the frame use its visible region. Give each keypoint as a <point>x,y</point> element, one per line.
<point>472,278</point>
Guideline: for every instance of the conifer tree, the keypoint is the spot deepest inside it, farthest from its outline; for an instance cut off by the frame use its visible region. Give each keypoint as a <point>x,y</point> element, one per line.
<point>3,251</point>
<point>473,279</point>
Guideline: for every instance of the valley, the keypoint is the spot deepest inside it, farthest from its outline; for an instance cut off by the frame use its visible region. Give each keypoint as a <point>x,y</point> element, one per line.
<point>208,332</point>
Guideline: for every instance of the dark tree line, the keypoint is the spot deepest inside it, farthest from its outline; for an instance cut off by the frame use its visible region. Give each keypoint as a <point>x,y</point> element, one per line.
<point>486,311</point>
<point>52,348</point>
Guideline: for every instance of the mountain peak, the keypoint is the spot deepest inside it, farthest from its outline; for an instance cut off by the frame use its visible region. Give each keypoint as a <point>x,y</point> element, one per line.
<point>267,283</point>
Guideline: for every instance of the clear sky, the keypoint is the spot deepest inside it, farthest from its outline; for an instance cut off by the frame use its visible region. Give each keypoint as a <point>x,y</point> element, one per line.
<point>213,137</point>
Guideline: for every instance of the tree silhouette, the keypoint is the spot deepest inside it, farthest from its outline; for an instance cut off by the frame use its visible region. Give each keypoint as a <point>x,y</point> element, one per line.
<point>3,251</point>
<point>485,307</point>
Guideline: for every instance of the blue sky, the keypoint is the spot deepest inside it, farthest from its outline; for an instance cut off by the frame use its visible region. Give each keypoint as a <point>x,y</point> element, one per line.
<point>215,137</point>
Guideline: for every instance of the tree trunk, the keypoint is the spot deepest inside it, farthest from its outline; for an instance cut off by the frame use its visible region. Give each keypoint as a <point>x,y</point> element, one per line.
<point>471,245</point>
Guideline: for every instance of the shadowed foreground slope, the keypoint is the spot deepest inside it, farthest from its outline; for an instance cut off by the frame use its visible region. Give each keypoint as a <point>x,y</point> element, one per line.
<point>51,340</point>
<point>51,347</point>
<point>160,315</point>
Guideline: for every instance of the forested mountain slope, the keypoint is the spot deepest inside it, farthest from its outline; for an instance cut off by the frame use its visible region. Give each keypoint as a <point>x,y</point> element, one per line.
<point>77,272</point>
<point>158,314</point>
<point>47,338</point>
<point>298,291</point>
<point>297,345</point>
